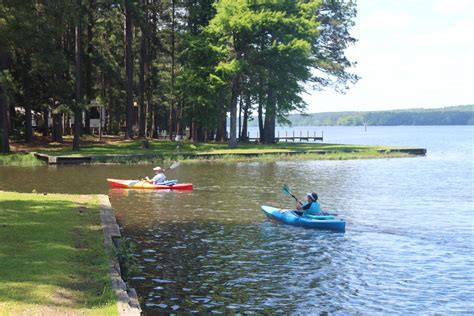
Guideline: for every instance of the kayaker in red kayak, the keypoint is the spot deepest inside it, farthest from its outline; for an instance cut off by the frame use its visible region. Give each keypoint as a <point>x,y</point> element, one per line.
<point>158,178</point>
<point>311,207</point>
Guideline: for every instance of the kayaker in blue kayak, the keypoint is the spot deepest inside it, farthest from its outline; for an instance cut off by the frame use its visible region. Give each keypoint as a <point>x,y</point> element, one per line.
<point>158,178</point>
<point>311,207</point>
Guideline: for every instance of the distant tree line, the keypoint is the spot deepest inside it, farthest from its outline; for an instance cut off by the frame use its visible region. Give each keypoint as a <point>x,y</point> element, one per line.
<point>456,115</point>
<point>174,65</point>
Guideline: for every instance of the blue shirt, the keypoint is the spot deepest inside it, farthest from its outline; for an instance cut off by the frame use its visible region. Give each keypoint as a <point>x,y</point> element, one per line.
<point>311,208</point>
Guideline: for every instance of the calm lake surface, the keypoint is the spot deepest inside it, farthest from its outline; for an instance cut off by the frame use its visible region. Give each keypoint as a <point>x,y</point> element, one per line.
<point>408,248</point>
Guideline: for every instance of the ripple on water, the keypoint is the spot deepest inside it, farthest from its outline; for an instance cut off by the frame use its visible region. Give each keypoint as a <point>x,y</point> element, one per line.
<point>401,254</point>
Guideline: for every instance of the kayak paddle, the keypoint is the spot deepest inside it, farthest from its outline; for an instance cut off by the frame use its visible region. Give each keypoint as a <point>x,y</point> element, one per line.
<point>287,192</point>
<point>173,166</point>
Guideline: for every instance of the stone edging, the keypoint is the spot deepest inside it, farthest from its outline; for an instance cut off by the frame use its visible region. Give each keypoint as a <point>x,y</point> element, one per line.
<point>127,300</point>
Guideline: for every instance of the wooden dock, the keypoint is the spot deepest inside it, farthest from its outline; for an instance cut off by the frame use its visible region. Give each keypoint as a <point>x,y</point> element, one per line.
<point>293,137</point>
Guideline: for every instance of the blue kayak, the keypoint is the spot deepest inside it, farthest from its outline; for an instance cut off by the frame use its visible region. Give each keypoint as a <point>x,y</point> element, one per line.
<point>291,218</point>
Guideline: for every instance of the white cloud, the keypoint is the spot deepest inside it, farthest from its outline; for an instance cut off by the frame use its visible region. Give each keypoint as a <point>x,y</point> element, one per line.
<point>459,34</point>
<point>453,6</point>
<point>384,19</point>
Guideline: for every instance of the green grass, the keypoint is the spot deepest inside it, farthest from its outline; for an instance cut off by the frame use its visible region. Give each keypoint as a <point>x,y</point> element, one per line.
<point>131,152</point>
<point>52,258</point>
<point>303,156</point>
<point>166,148</point>
<point>23,160</point>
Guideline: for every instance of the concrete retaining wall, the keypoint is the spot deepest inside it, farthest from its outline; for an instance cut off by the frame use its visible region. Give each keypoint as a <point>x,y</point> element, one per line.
<point>127,303</point>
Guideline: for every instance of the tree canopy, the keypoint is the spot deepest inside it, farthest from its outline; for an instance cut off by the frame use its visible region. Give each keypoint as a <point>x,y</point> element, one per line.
<point>168,67</point>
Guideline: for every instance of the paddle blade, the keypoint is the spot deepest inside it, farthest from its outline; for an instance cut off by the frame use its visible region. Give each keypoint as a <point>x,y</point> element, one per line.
<point>174,165</point>
<point>287,192</point>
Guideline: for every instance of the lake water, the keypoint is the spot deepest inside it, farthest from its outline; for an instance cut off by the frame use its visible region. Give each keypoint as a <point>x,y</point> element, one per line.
<point>408,247</point>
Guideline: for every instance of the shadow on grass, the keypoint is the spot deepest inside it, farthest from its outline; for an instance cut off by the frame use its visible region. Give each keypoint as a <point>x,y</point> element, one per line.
<point>51,252</point>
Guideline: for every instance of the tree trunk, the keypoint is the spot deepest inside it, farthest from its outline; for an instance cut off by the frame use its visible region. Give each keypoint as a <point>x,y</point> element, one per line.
<point>87,122</point>
<point>12,117</point>
<point>241,101</point>
<point>27,100</point>
<point>149,110</point>
<point>156,121</point>
<point>46,122</point>
<point>153,107</point>
<point>4,128</point>
<point>233,113</point>
<point>199,134</point>
<point>244,136</point>
<point>57,133</point>
<point>270,116</point>
<point>129,69</point>
<point>261,127</point>
<point>76,144</point>
<point>179,118</point>
<point>222,127</point>
<point>173,52</point>
<point>110,112</point>
<point>143,57</point>
<point>28,116</point>
<point>88,80</point>
<point>192,129</point>
<point>269,136</point>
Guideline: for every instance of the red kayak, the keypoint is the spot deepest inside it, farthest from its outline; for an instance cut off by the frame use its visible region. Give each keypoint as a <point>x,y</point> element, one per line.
<point>142,184</point>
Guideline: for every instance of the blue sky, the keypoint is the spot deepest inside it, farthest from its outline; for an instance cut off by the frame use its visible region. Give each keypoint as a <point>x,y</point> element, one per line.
<point>410,54</point>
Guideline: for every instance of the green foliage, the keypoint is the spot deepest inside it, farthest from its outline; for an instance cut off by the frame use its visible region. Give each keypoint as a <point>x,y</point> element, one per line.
<point>191,58</point>
<point>24,160</point>
<point>125,253</point>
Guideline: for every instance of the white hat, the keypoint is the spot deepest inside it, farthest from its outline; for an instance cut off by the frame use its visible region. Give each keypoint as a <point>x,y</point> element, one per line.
<point>157,169</point>
<point>312,195</point>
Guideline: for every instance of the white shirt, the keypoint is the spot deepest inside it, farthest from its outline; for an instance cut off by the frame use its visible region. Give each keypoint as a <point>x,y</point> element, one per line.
<point>159,178</point>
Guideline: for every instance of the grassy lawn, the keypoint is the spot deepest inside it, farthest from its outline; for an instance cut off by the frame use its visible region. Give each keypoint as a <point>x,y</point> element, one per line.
<point>23,160</point>
<point>52,258</point>
<point>167,148</point>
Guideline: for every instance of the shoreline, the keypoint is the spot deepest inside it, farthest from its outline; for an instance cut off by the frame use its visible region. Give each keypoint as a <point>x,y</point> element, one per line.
<point>148,151</point>
<point>263,156</point>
